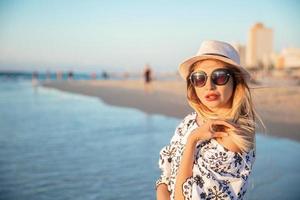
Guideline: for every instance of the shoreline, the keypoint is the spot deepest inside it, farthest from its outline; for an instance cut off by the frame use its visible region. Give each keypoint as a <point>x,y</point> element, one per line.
<point>168,98</point>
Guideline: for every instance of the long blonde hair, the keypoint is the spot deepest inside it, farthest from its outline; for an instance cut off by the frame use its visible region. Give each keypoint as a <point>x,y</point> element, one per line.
<point>242,111</point>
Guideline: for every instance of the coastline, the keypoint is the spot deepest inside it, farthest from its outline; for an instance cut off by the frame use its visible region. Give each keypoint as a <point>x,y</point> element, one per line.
<point>279,107</point>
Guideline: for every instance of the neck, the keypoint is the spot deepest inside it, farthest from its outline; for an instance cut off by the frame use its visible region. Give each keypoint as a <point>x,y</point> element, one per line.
<point>220,112</point>
<point>223,110</point>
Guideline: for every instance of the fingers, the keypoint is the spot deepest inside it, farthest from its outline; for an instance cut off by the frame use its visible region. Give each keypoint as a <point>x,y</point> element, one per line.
<point>225,123</point>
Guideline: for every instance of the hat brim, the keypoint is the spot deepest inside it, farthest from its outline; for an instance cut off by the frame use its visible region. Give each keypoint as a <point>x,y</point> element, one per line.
<point>184,67</point>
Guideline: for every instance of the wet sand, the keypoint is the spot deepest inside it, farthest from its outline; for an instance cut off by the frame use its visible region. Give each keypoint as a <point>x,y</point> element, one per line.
<point>279,107</point>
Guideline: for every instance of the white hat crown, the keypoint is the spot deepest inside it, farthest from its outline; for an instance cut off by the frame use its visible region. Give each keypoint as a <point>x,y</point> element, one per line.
<point>213,47</point>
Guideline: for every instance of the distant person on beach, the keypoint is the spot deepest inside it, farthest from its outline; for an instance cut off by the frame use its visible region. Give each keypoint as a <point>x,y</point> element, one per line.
<point>147,78</point>
<point>70,75</point>
<point>212,152</point>
<point>105,75</point>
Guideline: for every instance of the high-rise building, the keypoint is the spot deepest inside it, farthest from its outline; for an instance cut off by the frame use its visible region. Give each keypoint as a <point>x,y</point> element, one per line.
<point>259,46</point>
<point>242,51</point>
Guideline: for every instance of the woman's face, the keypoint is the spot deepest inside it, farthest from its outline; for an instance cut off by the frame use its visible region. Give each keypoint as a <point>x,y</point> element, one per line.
<point>216,97</point>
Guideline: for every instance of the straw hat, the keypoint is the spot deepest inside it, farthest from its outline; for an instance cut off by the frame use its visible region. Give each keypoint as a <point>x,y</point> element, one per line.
<point>212,49</point>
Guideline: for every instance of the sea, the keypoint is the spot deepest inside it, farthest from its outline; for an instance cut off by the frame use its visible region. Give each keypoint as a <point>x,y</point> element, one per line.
<point>58,145</point>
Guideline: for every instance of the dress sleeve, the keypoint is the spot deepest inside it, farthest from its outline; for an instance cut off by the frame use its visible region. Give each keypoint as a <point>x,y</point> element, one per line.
<point>165,158</point>
<point>220,173</point>
<point>187,188</point>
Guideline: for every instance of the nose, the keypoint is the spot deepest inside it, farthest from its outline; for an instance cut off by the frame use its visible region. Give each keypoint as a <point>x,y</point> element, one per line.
<point>209,84</point>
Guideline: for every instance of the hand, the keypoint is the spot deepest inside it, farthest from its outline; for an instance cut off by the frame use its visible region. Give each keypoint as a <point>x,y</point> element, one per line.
<point>212,129</point>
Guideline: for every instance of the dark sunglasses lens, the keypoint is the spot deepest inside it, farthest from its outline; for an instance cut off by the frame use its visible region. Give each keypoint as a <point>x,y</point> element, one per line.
<point>198,79</point>
<point>220,77</point>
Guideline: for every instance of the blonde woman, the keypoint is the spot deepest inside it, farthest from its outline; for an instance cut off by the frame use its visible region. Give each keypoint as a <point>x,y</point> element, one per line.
<point>212,151</point>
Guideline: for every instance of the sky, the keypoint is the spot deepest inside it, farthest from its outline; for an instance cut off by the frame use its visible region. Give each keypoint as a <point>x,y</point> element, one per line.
<point>125,35</point>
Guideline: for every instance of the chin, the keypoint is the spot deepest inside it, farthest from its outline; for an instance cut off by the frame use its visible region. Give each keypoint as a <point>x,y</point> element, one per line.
<point>213,104</point>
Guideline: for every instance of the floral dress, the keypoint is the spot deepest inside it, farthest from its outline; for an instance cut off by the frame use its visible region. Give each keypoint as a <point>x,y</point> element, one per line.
<point>217,172</point>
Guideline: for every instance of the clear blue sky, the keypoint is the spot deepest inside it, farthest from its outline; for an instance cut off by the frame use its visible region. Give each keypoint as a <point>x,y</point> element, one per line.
<point>124,35</point>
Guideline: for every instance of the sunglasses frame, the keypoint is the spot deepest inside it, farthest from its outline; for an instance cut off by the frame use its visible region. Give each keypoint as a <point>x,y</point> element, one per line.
<point>228,74</point>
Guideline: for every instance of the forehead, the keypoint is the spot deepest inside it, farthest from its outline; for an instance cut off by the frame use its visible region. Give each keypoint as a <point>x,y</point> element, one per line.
<point>208,65</point>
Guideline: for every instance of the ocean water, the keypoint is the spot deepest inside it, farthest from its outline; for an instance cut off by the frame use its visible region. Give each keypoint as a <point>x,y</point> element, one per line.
<point>57,145</point>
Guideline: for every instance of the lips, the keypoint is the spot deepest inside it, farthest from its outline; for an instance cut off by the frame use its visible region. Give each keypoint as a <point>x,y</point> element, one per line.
<point>212,97</point>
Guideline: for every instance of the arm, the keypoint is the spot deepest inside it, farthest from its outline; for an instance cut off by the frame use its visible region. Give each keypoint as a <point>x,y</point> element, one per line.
<point>162,192</point>
<point>165,158</point>
<point>185,169</point>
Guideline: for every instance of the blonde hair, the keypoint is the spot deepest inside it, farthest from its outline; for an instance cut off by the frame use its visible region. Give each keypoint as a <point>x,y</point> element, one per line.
<point>242,111</point>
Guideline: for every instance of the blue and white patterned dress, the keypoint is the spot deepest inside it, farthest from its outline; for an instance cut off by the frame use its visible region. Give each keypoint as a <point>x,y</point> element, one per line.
<point>217,172</point>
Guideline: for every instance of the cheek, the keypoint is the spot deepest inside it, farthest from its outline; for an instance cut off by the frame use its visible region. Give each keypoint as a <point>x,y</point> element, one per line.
<point>200,94</point>
<point>228,92</point>
<point>227,95</point>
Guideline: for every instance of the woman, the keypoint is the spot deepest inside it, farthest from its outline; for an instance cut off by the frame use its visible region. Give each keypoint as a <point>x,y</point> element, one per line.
<point>212,151</point>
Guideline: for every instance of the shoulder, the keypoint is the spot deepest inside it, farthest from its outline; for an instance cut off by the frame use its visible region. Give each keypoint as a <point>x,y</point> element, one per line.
<point>187,121</point>
<point>237,143</point>
<point>228,144</point>
<point>184,125</point>
<point>188,118</point>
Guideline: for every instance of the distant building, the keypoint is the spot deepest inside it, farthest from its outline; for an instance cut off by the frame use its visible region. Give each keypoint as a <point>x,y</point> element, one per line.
<point>278,61</point>
<point>289,58</point>
<point>242,51</point>
<point>259,46</point>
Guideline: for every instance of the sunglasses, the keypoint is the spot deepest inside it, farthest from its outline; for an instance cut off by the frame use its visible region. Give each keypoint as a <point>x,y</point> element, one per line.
<point>219,76</point>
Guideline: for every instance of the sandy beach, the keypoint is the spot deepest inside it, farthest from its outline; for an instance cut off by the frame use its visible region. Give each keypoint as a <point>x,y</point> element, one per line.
<point>279,107</point>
